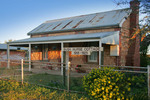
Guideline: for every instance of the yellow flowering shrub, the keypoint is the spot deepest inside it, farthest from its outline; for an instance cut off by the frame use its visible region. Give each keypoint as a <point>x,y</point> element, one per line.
<point>106,84</point>
<point>8,85</point>
<point>12,90</point>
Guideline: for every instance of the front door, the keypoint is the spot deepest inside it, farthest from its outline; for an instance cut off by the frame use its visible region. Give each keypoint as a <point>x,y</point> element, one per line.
<point>45,52</point>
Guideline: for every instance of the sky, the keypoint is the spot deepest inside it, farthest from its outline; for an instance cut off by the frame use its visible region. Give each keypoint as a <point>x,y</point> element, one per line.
<point>18,17</point>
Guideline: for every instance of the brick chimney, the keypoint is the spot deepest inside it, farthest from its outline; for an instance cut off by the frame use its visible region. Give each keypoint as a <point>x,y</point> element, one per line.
<point>133,57</point>
<point>134,17</point>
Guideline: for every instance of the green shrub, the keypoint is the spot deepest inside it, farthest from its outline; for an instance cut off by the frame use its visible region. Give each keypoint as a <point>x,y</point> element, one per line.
<point>139,94</point>
<point>8,85</point>
<point>106,84</point>
<point>144,60</point>
<point>139,81</point>
<point>76,84</point>
<point>139,87</point>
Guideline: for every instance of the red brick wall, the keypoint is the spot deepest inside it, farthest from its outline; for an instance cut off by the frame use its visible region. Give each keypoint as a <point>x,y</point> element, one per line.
<point>76,32</point>
<point>124,42</point>
<point>109,60</point>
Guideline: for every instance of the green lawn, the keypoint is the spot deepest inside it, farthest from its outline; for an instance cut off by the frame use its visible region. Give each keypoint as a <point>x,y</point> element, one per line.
<point>52,81</point>
<point>14,73</point>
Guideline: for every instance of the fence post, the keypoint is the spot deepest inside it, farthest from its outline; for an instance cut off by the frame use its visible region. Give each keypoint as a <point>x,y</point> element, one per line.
<point>64,74</point>
<point>8,63</point>
<point>29,57</point>
<point>8,56</point>
<point>68,75</point>
<point>148,80</point>
<point>22,71</point>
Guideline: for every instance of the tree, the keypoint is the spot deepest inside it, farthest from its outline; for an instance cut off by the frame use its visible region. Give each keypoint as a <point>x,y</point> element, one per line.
<point>143,50</point>
<point>10,40</point>
<point>144,9</point>
<point>144,45</point>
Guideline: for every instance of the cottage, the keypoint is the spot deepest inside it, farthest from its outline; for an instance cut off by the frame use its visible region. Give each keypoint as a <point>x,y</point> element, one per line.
<point>15,54</point>
<point>73,39</point>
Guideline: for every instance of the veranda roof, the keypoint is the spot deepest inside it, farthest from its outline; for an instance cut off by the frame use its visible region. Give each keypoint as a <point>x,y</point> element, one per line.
<point>4,47</point>
<point>106,37</point>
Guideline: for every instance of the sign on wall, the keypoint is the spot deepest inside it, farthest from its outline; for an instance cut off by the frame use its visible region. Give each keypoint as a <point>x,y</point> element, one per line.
<point>81,53</point>
<point>82,50</point>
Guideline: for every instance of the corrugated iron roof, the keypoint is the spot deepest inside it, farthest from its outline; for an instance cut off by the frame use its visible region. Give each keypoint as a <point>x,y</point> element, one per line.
<point>102,19</point>
<point>4,47</point>
<point>106,37</point>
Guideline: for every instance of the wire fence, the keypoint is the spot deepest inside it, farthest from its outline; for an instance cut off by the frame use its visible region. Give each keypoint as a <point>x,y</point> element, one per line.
<point>50,74</point>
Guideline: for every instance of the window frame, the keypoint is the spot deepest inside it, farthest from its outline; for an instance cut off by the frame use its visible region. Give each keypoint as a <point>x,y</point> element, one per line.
<point>93,61</point>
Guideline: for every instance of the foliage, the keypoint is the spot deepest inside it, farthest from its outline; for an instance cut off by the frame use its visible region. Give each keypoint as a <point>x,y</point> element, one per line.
<point>139,81</point>
<point>44,79</point>
<point>144,60</point>
<point>11,90</point>
<point>144,45</point>
<point>106,84</point>
<point>56,84</point>
<point>143,50</point>
<point>140,94</point>
<point>6,86</point>
<point>76,84</point>
<point>10,40</point>
<point>139,85</point>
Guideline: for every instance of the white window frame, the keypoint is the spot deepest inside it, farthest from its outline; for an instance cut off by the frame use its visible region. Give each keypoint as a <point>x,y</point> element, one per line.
<point>89,60</point>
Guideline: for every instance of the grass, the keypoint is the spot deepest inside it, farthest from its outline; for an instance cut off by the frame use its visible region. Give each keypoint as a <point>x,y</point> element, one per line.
<point>43,79</point>
<point>52,81</point>
<point>14,73</point>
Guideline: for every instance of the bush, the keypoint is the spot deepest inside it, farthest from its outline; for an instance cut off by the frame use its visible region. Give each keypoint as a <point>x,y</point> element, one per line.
<point>8,85</point>
<point>143,60</point>
<point>139,87</point>
<point>139,94</point>
<point>139,81</point>
<point>12,90</point>
<point>107,84</point>
<point>76,84</point>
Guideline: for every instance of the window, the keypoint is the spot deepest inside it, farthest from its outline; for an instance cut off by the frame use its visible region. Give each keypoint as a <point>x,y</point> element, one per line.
<point>92,57</point>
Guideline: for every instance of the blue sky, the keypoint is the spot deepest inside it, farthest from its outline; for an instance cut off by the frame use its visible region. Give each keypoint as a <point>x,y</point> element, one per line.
<point>18,17</point>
